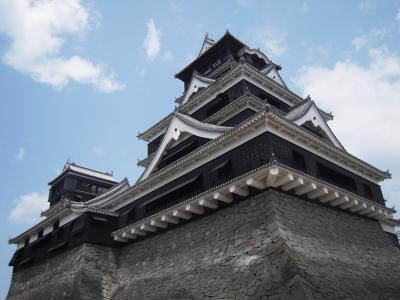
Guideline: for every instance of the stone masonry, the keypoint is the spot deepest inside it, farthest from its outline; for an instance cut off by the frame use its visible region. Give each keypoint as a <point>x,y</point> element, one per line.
<point>270,246</point>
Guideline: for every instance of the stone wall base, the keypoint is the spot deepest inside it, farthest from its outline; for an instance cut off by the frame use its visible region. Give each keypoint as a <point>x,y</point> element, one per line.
<point>271,246</point>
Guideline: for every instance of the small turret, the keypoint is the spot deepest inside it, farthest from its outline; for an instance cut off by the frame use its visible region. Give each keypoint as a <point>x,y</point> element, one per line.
<point>79,184</point>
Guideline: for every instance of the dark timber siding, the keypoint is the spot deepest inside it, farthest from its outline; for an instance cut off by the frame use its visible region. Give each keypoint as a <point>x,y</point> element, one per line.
<point>245,158</point>
<point>89,228</point>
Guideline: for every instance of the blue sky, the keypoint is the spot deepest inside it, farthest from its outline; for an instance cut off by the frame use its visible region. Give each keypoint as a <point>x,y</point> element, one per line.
<point>79,79</point>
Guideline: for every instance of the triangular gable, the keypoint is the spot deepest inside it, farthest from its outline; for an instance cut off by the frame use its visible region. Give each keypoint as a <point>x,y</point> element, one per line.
<point>309,113</point>
<point>207,44</point>
<point>274,75</point>
<point>179,124</point>
<point>196,82</point>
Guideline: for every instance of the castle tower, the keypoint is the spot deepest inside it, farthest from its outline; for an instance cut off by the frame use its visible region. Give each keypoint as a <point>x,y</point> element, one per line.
<point>246,192</point>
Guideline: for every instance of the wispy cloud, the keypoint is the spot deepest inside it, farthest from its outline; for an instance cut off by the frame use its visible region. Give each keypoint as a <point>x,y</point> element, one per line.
<point>304,8</point>
<point>27,208</point>
<point>38,31</point>
<point>271,41</point>
<point>152,43</point>
<point>20,154</point>
<point>398,15</point>
<point>98,150</point>
<point>167,56</point>
<point>245,3</point>
<point>366,6</point>
<point>375,35</point>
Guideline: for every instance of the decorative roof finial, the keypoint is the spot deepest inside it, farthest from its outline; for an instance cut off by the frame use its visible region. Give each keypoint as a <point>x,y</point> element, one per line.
<point>308,98</point>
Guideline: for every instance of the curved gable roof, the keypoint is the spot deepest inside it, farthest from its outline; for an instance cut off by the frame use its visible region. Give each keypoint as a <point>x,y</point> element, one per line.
<point>182,123</point>
<point>309,112</point>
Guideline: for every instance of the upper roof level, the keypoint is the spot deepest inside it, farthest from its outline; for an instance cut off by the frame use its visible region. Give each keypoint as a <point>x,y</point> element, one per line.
<point>71,167</point>
<point>210,52</point>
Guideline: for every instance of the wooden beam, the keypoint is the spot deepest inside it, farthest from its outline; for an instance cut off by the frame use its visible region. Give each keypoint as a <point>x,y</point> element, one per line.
<point>272,175</point>
<point>349,204</point>
<point>366,210</point>
<point>213,204</point>
<point>182,214</point>
<point>283,180</point>
<point>256,183</point>
<point>387,215</point>
<point>305,189</point>
<point>195,209</point>
<point>331,196</point>
<point>170,219</point>
<point>148,227</point>
<point>241,191</point>
<point>159,224</point>
<point>293,184</point>
<point>339,201</point>
<point>359,207</point>
<point>137,231</point>
<point>375,213</point>
<point>128,235</point>
<point>382,216</point>
<point>227,198</point>
<point>318,193</point>
<point>119,239</point>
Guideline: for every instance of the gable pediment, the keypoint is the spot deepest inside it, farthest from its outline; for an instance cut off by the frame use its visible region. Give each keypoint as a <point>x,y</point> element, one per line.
<point>180,126</point>
<point>308,116</point>
<point>274,75</point>
<point>207,44</point>
<point>196,83</point>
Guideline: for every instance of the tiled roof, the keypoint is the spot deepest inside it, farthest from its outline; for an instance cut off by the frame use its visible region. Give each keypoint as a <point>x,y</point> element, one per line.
<point>90,172</point>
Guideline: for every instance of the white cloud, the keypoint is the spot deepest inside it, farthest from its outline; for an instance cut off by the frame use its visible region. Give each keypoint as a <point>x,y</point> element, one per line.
<point>38,31</point>
<point>20,154</point>
<point>365,101</point>
<point>152,42</point>
<point>28,207</point>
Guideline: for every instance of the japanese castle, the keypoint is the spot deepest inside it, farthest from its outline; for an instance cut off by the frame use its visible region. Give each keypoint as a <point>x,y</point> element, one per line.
<point>236,132</point>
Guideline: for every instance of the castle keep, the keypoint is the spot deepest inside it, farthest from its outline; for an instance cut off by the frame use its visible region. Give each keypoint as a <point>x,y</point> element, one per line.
<point>246,193</point>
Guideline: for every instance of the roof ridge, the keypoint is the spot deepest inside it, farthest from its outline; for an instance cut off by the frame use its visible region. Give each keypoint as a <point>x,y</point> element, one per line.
<point>86,168</point>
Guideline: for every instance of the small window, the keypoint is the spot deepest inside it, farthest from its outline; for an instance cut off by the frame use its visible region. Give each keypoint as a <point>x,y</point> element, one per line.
<point>298,160</point>
<point>223,170</point>
<point>40,234</point>
<point>101,190</point>
<point>335,177</point>
<point>367,191</point>
<point>56,225</point>
<point>221,101</point>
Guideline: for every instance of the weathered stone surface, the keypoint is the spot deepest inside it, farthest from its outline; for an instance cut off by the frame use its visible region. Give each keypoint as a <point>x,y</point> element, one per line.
<point>84,272</point>
<point>271,246</point>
